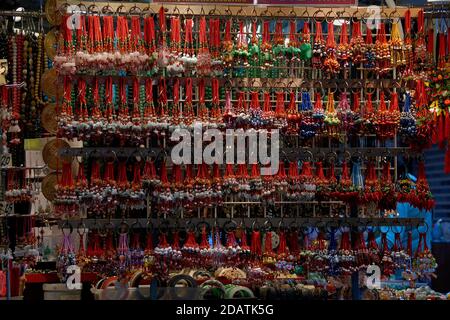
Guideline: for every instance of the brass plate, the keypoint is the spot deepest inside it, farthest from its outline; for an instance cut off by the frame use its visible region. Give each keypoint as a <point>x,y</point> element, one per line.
<point>49,186</point>
<point>52,13</point>
<point>49,84</point>
<point>51,41</point>
<point>49,118</point>
<point>50,153</point>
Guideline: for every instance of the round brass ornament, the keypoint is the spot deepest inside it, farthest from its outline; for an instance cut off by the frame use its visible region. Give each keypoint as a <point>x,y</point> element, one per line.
<point>52,13</point>
<point>51,42</point>
<point>49,118</point>
<point>50,153</point>
<point>50,85</point>
<point>49,183</point>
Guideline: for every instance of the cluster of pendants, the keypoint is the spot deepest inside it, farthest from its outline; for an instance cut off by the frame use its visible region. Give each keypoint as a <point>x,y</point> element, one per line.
<point>134,186</point>
<point>262,253</point>
<point>109,111</point>
<point>214,47</point>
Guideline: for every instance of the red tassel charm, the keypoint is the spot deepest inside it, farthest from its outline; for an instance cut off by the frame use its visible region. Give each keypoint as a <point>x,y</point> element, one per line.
<point>149,244</point>
<point>308,186</point>
<point>204,56</point>
<point>229,180</point>
<point>191,244</point>
<point>268,113</point>
<point>164,190</point>
<point>389,194</point>
<point>66,201</point>
<point>255,182</point>
<point>96,180</point>
<point>204,244</point>
<point>122,181</point>
<point>268,250</point>
<point>81,183</point>
<point>362,253</point>
<point>244,246</point>
<point>94,249</point>
<point>188,188</point>
<point>280,179</point>
<point>163,243</point>
<point>318,47</point>
<point>346,190</point>
<point>387,265</point>
<point>109,251</point>
<point>356,43</point>
<point>424,263</point>
<point>282,251</point>
<point>109,174</point>
<point>216,184</point>
<point>330,64</point>
<point>346,255</point>
<point>321,181</point>
<point>382,51</point>
<point>255,246</point>
<point>228,45</point>
<point>374,251</point>
<point>343,50</point>
<point>294,246</point>
<point>423,199</point>
<point>293,180</point>
<point>280,112</point>
<point>420,50</point>
<point>330,189</point>
<point>372,191</point>
<point>231,241</point>
<point>293,117</point>
<point>176,241</point>
<point>149,177</point>
<point>242,180</point>
<point>369,51</point>
<point>216,112</point>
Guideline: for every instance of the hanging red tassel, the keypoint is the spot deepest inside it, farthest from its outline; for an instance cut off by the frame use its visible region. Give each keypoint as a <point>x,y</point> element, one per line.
<point>163,243</point>
<point>389,194</point>
<point>191,243</point>
<point>422,199</point>
<point>294,246</point>
<point>122,181</point>
<point>282,247</point>
<point>109,250</point>
<point>231,240</point>
<point>244,246</point>
<point>94,248</point>
<point>149,243</point>
<point>268,250</point>
<point>204,244</point>
<point>255,246</point>
<point>176,241</point>
<point>430,46</point>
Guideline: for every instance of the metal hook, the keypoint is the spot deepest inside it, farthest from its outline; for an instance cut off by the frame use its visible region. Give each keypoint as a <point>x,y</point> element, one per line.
<point>315,15</point>
<point>327,16</point>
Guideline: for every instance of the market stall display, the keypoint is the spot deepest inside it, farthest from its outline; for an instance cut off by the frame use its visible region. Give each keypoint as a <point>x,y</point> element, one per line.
<point>343,101</point>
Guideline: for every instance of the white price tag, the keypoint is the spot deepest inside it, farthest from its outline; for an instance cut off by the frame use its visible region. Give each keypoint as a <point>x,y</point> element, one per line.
<point>5,160</point>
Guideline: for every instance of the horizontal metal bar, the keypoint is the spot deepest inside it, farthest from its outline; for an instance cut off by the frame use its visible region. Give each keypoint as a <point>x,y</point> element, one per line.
<point>243,10</point>
<point>10,13</point>
<point>275,222</point>
<point>287,153</point>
